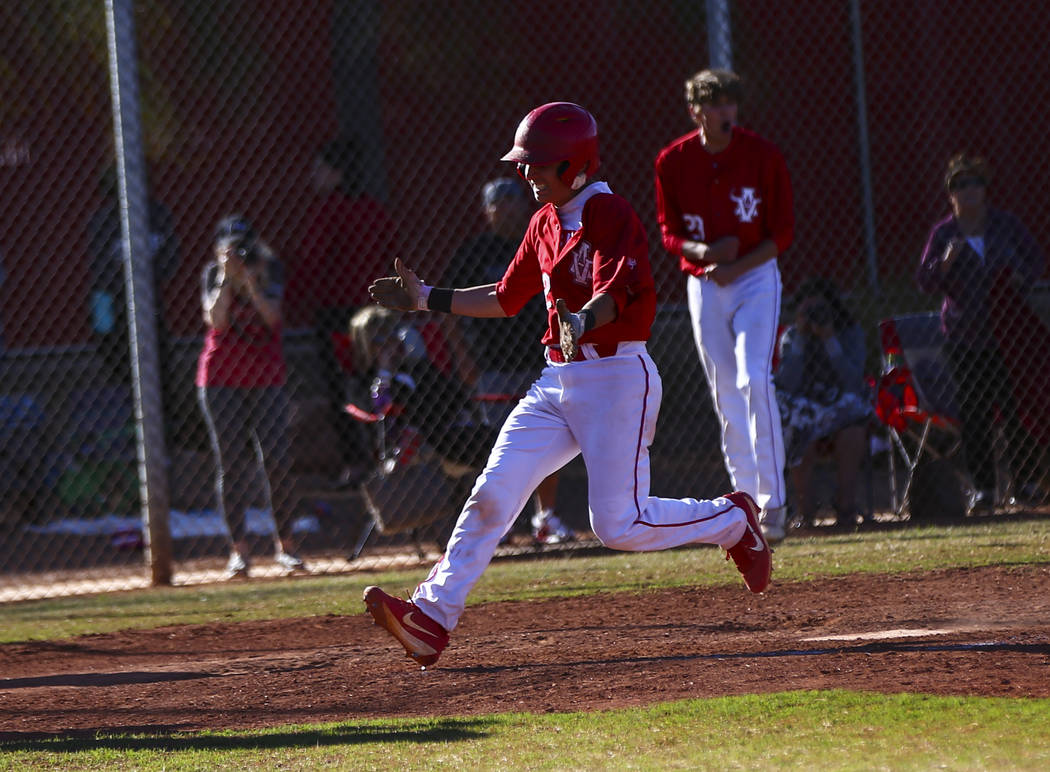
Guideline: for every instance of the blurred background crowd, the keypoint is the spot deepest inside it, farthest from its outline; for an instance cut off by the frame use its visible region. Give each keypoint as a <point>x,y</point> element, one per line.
<point>346,133</point>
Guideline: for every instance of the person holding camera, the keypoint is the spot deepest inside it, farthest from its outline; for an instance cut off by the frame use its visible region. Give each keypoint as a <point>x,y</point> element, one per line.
<point>821,393</point>
<point>241,375</point>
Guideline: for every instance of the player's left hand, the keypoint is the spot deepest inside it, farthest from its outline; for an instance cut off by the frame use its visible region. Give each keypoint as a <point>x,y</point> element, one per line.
<point>400,292</point>
<point>724,250</point>
<point>570,327</point>
<point>722,274</point>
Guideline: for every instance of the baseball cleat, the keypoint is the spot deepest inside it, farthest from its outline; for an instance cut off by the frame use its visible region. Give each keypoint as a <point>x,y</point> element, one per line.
<point>774,533</point>
<point>982,500</point>
<point>751,554</point>
<point>549,529</point>
<point>423,638</point>
<point>236,567</point>
<point>773,526</point>
<point>289,561</point>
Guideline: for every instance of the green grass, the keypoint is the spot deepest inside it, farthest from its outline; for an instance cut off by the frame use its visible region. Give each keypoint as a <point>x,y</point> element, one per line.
<point>885,551</point>
<point>792,730</point>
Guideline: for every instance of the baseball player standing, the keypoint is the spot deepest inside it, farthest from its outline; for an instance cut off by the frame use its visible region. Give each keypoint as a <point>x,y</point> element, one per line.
<point>586,252</point>
<point>724,202</point>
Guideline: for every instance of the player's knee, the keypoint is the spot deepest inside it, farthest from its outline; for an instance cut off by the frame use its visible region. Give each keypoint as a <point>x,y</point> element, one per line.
<point>489,501</point>
<point>615,542</point>
<point>612,532</point>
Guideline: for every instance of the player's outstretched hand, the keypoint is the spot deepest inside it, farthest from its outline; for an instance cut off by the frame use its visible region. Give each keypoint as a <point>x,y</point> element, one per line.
<point>570,327</point>
<point>399,292</point>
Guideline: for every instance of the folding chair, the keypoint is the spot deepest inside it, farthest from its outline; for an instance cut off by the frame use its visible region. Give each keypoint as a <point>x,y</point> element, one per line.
<point>915,400</point>
<point>383,490</point>
<point>413,487</point>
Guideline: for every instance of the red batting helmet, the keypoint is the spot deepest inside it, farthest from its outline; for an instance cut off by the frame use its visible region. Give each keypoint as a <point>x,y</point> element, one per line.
<point>558,131</point>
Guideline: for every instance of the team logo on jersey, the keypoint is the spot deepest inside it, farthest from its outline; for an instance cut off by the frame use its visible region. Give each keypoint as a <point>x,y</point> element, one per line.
<point>582,268</point>
<point>746,204</point>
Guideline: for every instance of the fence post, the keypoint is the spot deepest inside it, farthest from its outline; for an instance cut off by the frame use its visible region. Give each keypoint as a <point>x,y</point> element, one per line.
<point>719,35</point>
<point>864,148</point>
<point>138,273</point>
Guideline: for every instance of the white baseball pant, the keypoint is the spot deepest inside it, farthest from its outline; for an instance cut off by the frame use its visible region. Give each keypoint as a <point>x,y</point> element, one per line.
<point>605,409</point>
<point>735,329</point>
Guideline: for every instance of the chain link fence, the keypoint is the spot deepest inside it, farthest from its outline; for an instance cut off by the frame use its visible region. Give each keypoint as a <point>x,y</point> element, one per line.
<point>351,132</point>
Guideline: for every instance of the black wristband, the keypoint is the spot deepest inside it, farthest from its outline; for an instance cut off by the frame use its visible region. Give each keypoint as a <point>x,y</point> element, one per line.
<point>587,315</point>
<point>440,300</point>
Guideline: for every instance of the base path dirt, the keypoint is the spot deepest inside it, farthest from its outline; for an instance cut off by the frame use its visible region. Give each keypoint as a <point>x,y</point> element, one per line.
<point>982,631</point>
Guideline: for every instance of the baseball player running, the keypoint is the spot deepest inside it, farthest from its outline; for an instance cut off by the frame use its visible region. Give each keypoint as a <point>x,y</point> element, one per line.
<point>724,202</point>
<point>586,251</point>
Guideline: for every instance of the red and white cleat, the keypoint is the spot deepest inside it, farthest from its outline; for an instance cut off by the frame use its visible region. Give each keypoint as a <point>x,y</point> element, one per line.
<point>547,528</point>
<point>423,638</point>
<point>751,554</point>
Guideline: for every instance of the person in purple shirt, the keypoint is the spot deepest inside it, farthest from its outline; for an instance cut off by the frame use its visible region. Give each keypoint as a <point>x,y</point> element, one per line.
<point>965,254</point>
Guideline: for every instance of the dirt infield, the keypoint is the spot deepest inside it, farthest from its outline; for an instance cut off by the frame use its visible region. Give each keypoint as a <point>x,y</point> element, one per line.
<point>979,631</point>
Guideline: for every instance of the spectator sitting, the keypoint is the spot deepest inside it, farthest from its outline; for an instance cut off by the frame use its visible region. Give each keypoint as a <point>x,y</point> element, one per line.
<point>393,369</point>
<point>821,393</point>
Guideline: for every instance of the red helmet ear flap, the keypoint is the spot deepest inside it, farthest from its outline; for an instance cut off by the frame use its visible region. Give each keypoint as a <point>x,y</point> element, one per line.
<point>558,131</point>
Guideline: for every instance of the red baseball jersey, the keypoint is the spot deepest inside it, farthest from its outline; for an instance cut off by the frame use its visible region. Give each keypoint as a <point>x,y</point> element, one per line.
<point>744,191</point>
<point>608,255</point>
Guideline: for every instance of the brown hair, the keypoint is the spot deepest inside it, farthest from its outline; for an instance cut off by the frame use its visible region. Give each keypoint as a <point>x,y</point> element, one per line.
<point>708,85</point>
<point>824,288</point>
<point>966,164</point>
<point>368,326</point>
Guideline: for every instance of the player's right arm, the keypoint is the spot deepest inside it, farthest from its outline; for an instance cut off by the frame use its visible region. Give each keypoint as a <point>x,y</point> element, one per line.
<point>672,225</point>
<point>407,292</point>
<point>676,237</point>
<point>479,302</point>
<point>722,251</point>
